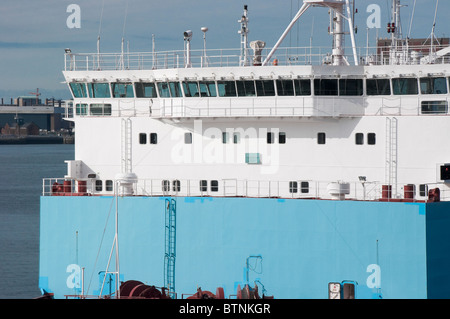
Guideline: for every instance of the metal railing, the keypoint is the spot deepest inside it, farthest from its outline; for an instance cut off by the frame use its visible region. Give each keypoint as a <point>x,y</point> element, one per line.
<point>297,189</point>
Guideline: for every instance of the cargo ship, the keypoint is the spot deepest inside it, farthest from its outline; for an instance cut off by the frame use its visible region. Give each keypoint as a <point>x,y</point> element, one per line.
<point>258,172</point>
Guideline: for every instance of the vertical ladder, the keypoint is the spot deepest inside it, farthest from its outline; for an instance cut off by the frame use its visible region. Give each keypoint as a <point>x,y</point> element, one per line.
<point>170,246</point>
<point>391,150</point>
<point>126,145</point>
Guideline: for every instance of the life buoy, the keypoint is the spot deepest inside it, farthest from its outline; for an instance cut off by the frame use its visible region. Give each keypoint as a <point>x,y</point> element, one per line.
<point>275,62</point>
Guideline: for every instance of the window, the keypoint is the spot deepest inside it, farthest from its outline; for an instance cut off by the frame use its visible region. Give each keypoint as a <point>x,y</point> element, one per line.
<point>99,90</point>
<point>423,190</point>
<point>371,138</point>
<point>302,87</point>
<point>163,89</point>
<point>285,87</point>
<point>321,138</point>
<point>434,107</point>
<point>245,88</point>
<point>191,89</point>
<point>445,172</point>
<point>293,187</point>
<point>176,186</point>
<point>304,187</point>
<point>153,138</point>
<point>175,89</point>
<point>265,88</point>
<point>236,138</point>
<point>359,138</point>
<point>252,158</point>
<point>270,138</point>
<point>224,137</point>
<point>142,138</point>
<point>98,185</point>
<point>109,185</point>
<point>226,88</point>
<point>203,186</point>
<point>282,138</point>
<point>122,90</point>
<point>351,87</point>
<point>78,89</point>
<point>145,90</point>
<point>165,185</point>
<point>405,86</point>
<point>81,109</point>
<point>433,85</point>
<point>325,87</point>
<point>208,88</point>
<point>100,109</point>
<point>378,87</point>
<point>214,186</point>
<point>187,138</point>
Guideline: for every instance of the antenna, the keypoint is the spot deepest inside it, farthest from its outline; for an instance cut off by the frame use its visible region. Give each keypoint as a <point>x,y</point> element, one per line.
<point>244,37</point>
<point>204,30</point>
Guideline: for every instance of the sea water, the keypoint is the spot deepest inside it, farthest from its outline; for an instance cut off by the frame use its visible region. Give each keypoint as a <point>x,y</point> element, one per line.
<point>22,168</point>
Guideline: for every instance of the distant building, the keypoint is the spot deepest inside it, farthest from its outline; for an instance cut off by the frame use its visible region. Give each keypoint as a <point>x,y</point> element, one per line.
<point>27,101</point>
<point>20,130</point>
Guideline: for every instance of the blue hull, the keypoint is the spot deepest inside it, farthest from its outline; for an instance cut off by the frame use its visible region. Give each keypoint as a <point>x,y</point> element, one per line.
<point>292,248</point>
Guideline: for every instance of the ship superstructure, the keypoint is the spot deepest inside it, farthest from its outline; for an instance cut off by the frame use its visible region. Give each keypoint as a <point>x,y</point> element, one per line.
<point>266,140</point>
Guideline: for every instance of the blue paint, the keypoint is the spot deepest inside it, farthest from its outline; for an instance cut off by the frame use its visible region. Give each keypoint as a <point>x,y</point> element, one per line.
<point>303,244</point>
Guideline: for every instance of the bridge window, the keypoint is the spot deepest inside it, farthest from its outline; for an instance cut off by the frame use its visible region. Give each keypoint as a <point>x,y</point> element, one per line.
<point>191,89</point>
<point>169,89</point>
<point>325,87</point>
<point>351,87</point>
<point>285,87</point>
<point>302,87</point>
<point>433,85</point>
<point>208,88</point>
<point>145,90</point>
<point>226,88</point>
<point>99,90</point>
<point>245,88</point>
<point>405,86</point>
<point>378,87</point>
<point>265,88</point>
<point>78,89</point>
<point>122,90</point>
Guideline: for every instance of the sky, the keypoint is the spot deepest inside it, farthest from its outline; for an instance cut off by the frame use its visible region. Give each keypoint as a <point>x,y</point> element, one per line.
<point>34,33</point>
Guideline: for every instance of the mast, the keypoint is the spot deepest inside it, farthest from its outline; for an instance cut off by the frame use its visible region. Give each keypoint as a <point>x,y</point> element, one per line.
<point>244,37</point>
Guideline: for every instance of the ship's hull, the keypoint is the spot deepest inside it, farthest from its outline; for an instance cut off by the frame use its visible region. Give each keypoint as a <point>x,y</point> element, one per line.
<point>290,248</point>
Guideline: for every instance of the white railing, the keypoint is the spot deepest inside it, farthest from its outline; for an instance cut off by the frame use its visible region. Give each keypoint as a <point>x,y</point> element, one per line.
<point>231,57</point>
<point>369,191</point>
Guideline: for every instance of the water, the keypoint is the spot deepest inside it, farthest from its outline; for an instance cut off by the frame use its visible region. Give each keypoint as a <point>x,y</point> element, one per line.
<point>21,172</point>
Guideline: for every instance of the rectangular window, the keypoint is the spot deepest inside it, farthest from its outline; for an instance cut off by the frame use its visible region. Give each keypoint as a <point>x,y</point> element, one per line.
<point>405,86</point>
<point>304,187</point>
<point>378,87</point>
<point>270,138</point>
<point>282,138</point>
<point>434,107</point>
<point>109,185</point>
<point>98,185</point>
<point>100,109</point>
<point>208,89</point>
<point>191,89</point>
<point>145,90</point>
<point>265,88</point>
<point>214,186</point>
<point>142,138</point>
<point>78,89</point>
<point>303,87</point>
<point>293,187</point>
<point>325,87</point>
<point>187,138</point>
<point>359,138</point>
<point>81,109</point>
<point>236,138</point>
<point>433,85</point>
<point>252,158</point>
<point>122,90</point>
<point>371,139</point>
<point>423,190</point>
<point>285,88</point>
<point>165,185</point>
<point>175,89</point>
<point>245,88</point>
<point>226,88</point>
<point>176,186</point>
<point>225,137</point>
<point>203,186</point>
<point>321,137</point>
<point>163,88</point>
<point>351,87</point>
<point>153,138</point>
<point>99,90</point>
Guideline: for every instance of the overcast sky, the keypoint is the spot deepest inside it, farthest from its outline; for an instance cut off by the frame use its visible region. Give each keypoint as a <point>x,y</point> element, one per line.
<point>34,33</point>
